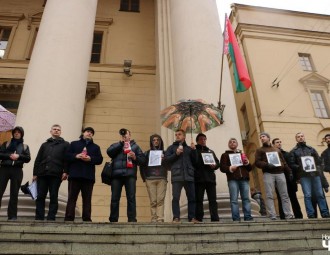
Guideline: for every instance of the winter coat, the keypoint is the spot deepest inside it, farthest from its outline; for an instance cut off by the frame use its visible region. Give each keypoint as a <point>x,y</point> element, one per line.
<point>242,173</point>
<point>154,172</point>
<point>204,173</point>
<point>182,166</point>
<point>50,160</point>
<point>119,159</point>
<point>301,150</point>
<point>79,169</point>
<point>326,159</point>
<point>22,150</point>
<point>262,162</point>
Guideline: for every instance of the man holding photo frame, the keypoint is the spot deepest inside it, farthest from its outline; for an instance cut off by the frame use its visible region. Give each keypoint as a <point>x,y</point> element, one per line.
<point>273,166</point>
<point>237,167</point>
<point>309,175</point>
<point>205,180</point>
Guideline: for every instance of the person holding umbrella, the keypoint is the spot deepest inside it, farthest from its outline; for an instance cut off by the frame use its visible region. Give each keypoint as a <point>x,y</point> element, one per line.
<point>13,155</point>
<point>182,159</point>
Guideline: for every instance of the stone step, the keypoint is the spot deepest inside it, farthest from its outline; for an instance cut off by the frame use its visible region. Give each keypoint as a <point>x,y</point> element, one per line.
<point>268,237</point>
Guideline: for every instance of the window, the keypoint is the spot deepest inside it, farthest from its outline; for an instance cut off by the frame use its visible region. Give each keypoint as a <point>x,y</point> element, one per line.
<point>130,5</point>
<point>4,37</point>
<point>319,104</point>
<point>97,47</point>
<point>306,62</point>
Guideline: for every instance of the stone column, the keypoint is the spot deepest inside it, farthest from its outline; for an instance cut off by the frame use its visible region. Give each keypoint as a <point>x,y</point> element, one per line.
<point>55,86</point>
<point>189,63</point>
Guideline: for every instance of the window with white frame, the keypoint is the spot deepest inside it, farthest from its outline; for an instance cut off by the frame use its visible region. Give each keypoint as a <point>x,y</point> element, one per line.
<point>319,103</point>
<point>306,62</point>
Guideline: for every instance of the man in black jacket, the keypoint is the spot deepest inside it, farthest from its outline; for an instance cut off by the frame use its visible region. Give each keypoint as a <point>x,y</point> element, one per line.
<point>310,180</point>
<point>205,180</point>
<point>50,169</point>
<point>82,156</point>
<point>126,155</point>
<point>182,159</point>
<point>326,154</point>
<point>13,154</point>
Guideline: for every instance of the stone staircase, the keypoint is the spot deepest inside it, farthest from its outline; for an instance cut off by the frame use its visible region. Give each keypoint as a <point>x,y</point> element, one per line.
<point>292,237</point>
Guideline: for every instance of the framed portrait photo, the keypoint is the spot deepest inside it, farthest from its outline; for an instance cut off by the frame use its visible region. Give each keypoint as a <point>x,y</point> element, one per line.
<point>308,164</point>
<point>208,159</point>
<point>155,158</point>
<point>235,159</point>
<point>273,158</point>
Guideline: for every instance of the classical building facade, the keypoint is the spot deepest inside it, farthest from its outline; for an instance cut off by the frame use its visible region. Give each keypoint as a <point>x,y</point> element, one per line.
<point>287,54</point>
<point>109,65</point>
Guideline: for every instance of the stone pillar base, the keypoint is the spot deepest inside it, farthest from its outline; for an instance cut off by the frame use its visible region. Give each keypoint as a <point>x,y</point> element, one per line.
<point>27,207</point>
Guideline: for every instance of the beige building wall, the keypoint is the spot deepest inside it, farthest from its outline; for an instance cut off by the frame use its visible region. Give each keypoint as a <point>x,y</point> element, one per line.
<point>271,40</point>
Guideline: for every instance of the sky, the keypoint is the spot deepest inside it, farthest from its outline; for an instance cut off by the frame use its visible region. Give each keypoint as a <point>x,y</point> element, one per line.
<point>314,6</point>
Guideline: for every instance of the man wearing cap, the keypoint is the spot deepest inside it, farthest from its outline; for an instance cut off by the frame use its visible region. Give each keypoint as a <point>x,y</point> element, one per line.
<point>205,180</point>
<point>310,180</point>
<point>326,154</point>
<point>273,175</point>
<point>13,154</point>
<point>82,157</point>
<point>126,155</point>
<point>50,169</point>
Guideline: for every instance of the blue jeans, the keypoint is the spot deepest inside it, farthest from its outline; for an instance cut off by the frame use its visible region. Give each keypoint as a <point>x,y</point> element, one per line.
<point>309,184</point>
<point>116,188</point>
<point>45,184</point>
<point>190,193</point>
<point>242,187</point>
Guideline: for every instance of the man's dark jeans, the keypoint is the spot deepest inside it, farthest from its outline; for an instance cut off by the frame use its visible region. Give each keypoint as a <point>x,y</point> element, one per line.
<point>190,193</point>
<point>210,188</point>
<point>45,184</point>
<point>116,188</point>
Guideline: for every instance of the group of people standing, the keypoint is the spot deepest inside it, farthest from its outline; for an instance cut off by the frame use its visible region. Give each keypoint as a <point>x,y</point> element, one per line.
<point>192,169</point>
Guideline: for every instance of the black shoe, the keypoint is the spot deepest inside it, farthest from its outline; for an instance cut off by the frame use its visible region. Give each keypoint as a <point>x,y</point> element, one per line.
<point>12,218</point>
<point>325,216</point>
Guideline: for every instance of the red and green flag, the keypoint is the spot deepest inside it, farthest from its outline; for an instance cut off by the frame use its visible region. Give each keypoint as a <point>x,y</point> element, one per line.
<point>241,74</point>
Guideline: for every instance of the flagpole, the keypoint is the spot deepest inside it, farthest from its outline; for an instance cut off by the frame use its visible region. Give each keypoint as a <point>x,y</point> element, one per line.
<point>223,48</point>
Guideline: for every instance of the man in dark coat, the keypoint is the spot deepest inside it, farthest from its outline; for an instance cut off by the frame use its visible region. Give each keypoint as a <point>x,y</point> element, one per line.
<point>82,156</point>
<point>50,169</point>
<point>13,154</point>
<point>310,180</point>
<point>126,155</point>
<point>155,176</point>
<point>205,180</point>
<point>182,159</point>
<point>326,154</point>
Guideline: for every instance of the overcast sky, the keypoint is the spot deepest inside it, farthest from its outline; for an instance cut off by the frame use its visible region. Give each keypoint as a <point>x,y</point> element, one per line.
<point>314,6</point>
